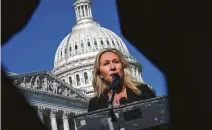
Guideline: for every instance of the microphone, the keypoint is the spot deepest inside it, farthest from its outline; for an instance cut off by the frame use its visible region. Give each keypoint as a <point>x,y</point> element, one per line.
<point>114,82</point>
<point>113,86</point>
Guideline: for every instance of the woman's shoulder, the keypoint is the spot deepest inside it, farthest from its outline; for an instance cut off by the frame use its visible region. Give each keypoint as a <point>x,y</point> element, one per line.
<point>93,100</point>
<point>146,90</point>
<point>92,103</point>
<point>96,103</point>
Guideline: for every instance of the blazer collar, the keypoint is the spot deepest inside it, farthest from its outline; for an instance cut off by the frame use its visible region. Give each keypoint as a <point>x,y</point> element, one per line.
<point>130,97</point>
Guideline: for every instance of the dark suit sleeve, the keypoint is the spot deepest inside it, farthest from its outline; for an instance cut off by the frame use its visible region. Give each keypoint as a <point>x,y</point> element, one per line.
<point>147,92</point>
<point>92,105</point>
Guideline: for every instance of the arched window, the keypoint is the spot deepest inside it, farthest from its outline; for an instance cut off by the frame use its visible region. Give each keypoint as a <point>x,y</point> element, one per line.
<point>113,42</point>
<point>82,11</point>
<point>82,46</point>
<point>70,80</point>
<point>86,11</point>
<point>108,42</point>
<point>102,43</point>
<point>119,45</point>
<point>70,48</point>
<point>95,43</point>
<point>75,47</point>
<point>89,45</point>
<point>78,80</point>
<point>79,10</point>
<point>86,78</point>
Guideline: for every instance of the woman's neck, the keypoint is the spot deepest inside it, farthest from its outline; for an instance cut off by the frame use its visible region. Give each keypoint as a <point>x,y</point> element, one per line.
<point>117,92</point>
<point>118,96</point>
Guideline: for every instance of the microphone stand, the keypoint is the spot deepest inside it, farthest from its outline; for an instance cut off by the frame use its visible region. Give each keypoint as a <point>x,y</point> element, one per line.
<point>110,104</point>
<point>112,86</point>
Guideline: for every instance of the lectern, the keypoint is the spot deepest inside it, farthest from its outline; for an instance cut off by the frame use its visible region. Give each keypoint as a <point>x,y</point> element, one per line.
<point>150,114</point>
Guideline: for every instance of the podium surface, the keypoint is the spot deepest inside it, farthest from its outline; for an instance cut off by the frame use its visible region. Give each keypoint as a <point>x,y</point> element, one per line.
<point>150,114</point>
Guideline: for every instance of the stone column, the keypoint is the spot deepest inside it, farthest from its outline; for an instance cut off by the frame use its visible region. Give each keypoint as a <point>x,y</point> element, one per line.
<point>134,72</point>
<point>81,11</point>
<point>131,70</point>
<point>89,10</point>
<point>65,120</point>
<point>90,76</point>
<point>81,75</point>
<point>84,11</point>
<point>53,119</point>
<point>40,113</point>
<point>141,78</point>
<point>79,14</point>
<point>137,75</point>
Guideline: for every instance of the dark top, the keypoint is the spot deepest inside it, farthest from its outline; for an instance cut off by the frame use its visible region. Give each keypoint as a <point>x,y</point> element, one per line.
<point>102,102</point>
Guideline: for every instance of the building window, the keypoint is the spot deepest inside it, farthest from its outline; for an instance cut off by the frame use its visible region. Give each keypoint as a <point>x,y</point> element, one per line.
<point>64,80</point>
<point>78,80</point>
<point>113,43</point>
<point>82,46</point>
<point>75,47</point>
<point>78,9</point>
<point>108,42</point>
<point>119,45</point>
<point>102,43</point>
<point>70,48</point>
<point>95,43</point>
<point>82,11</point>
<point>89,45</point>
<point>86,78</point>
<point>86,11</point>
<point>61,53</point>
<point>70,80</point>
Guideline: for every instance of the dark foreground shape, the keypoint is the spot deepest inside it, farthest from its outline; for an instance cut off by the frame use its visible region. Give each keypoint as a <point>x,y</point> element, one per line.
<point>176,37</point>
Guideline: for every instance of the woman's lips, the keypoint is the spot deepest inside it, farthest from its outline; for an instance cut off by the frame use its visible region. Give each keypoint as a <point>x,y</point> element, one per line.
<point>114,74</point>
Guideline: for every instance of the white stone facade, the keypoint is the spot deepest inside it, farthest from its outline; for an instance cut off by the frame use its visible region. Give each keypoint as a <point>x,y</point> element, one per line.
<point>76,53</point>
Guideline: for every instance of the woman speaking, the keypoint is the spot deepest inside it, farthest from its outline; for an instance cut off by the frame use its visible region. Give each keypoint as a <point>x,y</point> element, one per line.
<point>108,63</point>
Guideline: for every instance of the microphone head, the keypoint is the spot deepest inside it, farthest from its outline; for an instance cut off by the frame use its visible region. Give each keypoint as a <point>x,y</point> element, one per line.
<point>115,81</point>
<point>116,76</point>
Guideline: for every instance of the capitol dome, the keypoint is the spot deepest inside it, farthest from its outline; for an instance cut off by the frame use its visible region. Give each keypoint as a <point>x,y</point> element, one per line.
<point>74,58</point>
<point>86,41</point>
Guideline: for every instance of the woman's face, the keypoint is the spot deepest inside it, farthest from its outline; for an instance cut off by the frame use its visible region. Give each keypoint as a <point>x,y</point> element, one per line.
<point>110,64</point>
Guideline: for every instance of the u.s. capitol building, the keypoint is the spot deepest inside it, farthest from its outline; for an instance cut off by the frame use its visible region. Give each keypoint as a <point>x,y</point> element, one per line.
<point>66,90</point>
<point>76,53</point>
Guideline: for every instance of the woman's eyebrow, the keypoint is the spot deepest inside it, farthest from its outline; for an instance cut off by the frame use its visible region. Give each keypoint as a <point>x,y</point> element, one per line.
<point>104,61</point>
<point>110,60</point>
<point>116,58</point>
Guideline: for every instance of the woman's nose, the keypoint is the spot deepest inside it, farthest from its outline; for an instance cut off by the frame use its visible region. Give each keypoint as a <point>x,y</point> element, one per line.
<point>112,66</point>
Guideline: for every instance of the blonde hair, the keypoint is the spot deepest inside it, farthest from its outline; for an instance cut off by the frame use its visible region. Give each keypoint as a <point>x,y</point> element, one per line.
<point>100,85</point>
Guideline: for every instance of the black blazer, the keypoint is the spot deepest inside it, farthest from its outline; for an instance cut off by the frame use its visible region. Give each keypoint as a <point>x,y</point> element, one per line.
<point>102,102</point>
